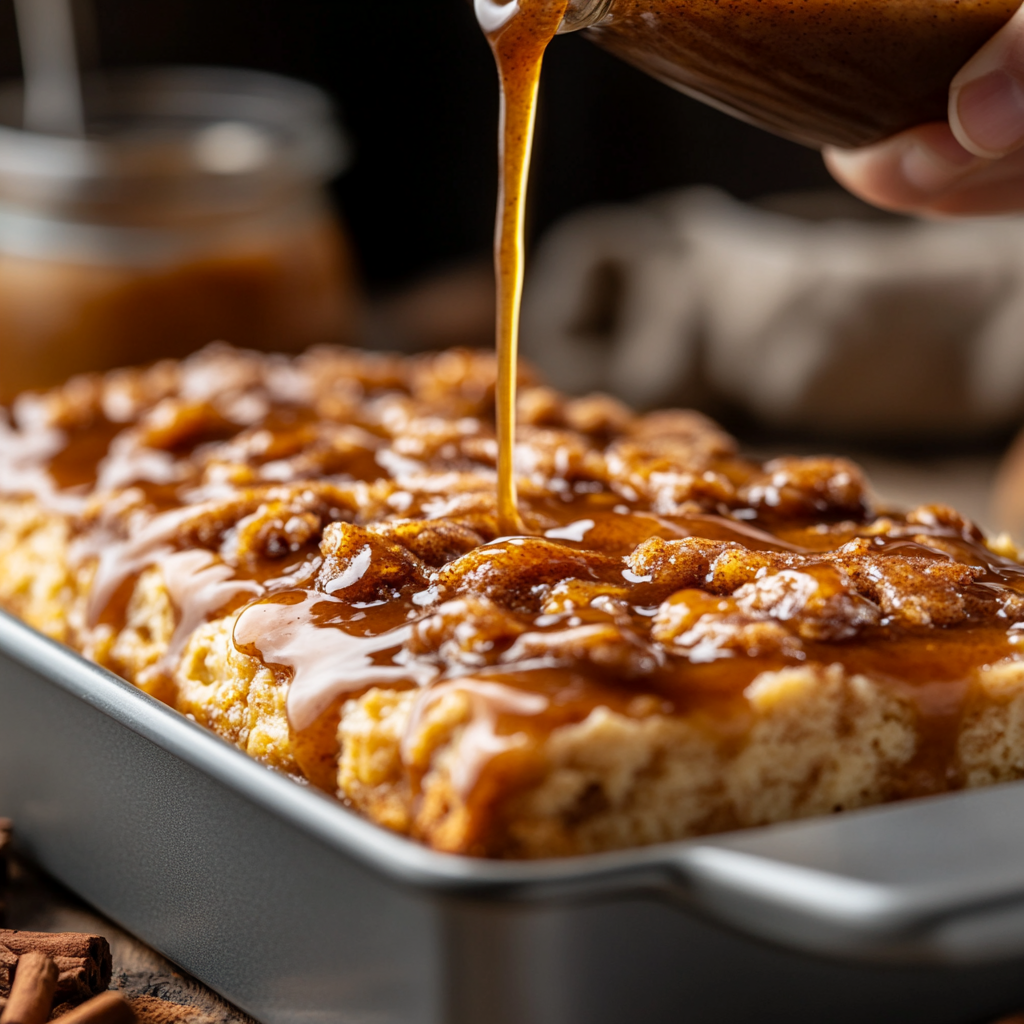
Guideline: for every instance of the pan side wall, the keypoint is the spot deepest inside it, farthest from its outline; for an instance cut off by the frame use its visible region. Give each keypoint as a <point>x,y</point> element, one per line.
<point>273,920</point>
<point>296,933</point>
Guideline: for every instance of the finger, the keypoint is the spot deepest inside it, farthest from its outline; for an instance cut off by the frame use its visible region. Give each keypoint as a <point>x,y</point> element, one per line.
<point>920,172</point>
<point>908,172</point>
<point>993,187</point>
<point>986,98</point>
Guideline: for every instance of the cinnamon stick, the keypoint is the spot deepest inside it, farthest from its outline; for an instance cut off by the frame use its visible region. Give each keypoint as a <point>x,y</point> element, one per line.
<point>83,960</point>
<point>108,1008</point>
<point>31,998</point>
<point>8,962</point>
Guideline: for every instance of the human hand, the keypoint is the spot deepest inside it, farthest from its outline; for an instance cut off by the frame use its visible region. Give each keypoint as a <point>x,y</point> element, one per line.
<point>974,164</point>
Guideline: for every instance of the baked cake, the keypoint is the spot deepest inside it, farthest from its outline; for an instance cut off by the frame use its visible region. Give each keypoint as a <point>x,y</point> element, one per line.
<point>302,555</point>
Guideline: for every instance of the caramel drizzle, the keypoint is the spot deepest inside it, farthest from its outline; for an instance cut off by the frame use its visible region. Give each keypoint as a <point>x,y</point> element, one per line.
<point>334,645</point>
<point>519,33</point>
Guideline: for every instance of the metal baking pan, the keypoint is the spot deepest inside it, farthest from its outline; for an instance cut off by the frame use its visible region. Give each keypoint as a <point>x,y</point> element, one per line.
<point>299,911</point>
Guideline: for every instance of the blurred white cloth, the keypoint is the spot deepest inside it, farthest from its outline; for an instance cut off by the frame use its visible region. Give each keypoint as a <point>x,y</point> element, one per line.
<point>865,327</point>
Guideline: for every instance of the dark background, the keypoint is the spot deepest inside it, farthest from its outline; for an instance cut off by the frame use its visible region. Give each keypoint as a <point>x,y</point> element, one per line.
<point>415,84</point>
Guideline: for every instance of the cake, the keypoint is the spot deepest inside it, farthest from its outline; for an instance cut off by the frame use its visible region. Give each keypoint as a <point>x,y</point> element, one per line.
<point>302,555</point>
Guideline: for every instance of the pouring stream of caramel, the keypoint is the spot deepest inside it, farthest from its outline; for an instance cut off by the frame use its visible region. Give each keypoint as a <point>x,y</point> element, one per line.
<point>519,32</point>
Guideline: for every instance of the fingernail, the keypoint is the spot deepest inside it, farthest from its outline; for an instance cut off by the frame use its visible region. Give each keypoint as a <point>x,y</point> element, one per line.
<point>931,172</point>
<point>991,113</point>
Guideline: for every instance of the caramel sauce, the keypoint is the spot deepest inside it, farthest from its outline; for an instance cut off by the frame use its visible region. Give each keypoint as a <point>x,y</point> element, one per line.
<point>519,32</point>
<point>362,523</point>
<point>291,286</point>
<point>359,522</point>
<point>330,648</point>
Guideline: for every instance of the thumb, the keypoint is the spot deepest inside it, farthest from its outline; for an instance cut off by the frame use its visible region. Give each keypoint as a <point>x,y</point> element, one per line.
<point>986,98</point>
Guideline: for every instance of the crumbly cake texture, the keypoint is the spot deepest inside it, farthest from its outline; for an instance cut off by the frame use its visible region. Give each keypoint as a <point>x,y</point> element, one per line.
<point>303,556</point>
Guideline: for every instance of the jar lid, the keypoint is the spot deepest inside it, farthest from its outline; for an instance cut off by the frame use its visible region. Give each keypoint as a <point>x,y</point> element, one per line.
<point>173,142</point>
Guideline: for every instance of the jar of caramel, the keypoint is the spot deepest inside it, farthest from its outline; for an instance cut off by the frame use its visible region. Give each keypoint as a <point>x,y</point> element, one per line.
<point>838,72</point>
<point>192,210</point>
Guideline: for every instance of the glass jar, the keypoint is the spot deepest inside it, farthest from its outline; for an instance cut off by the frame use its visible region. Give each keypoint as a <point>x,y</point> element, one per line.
<point>838,72</point>
<point>192,210</point>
